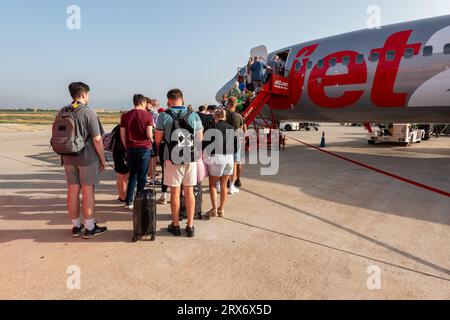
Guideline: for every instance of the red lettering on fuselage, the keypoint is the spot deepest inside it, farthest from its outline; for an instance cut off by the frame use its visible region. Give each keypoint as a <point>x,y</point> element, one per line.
<point>296,80</point>
<point>319,80</point>
<point>382,91</point>
<point>383,94</point>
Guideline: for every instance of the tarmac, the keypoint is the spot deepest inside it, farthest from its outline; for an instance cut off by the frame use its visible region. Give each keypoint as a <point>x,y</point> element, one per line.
<point>312,231</point>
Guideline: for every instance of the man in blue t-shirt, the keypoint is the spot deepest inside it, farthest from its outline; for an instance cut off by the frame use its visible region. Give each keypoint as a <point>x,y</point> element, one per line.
<point>178,175</point>
<point>258,72</point>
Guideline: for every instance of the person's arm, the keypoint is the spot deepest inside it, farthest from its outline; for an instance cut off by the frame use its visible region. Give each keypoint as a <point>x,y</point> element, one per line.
<point>199,135</point>
<point>150,133</point>
<point>94,128</point>
<point>100,149</point>
<point>159,133</point>
<point>159,136</point>
<point>123,135</point>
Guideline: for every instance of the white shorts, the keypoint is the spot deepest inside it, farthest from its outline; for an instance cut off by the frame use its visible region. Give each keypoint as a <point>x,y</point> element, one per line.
<point>220,165</point>
<point>177,175</point>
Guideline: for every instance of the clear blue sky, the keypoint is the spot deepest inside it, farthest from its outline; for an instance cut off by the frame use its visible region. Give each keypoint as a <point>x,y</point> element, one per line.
<point>126,47</point>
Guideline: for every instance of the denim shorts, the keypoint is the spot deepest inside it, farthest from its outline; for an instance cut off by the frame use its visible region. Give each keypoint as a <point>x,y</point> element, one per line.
<point>220,165</point>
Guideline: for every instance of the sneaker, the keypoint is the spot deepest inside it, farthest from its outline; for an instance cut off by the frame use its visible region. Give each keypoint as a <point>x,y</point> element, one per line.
<point>198,216</point>
<point>77,232</point>
<point>96,232</point>
<point>233,190</point>
<point>190,232</point>
<point>129,207</point>
<point>238,184</point>
<point>176,231</point>
<point>163,201</point>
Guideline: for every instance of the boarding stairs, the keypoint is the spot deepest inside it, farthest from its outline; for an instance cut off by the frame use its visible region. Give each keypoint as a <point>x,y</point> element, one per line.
<point>276,86</point>
<point>257,105</point>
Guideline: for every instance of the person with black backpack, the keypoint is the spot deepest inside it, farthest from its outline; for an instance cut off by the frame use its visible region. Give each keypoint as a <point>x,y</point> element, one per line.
<point>77,137</point>
<point>120,164</point>
<point>182,131</point>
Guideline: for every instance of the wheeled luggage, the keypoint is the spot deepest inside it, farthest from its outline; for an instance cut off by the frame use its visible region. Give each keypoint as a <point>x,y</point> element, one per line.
<point>144,216</point>
<point>198,193</point>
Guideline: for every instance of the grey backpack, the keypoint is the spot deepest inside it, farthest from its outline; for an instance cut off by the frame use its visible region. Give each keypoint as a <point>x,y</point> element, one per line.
<point>66,140</point>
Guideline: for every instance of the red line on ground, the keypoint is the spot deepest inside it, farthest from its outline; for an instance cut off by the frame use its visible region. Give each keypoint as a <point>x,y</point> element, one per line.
<point>414,183</point>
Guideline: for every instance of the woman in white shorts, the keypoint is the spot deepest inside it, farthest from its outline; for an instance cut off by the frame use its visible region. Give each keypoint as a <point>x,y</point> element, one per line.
<point>220,163</point>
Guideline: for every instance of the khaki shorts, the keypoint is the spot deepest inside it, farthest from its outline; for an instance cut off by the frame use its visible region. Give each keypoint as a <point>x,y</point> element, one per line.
<point>177,175</point>
<point>88,175</point>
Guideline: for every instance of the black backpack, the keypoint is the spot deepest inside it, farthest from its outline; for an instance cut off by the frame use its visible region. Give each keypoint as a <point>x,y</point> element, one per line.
<point>182,143</point>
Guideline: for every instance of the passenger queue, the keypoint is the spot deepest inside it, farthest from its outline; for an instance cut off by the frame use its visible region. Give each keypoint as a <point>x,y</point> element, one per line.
<point>188,145</point>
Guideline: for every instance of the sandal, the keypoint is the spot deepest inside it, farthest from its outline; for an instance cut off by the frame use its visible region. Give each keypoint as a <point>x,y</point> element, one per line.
<point>211,214</point>
<point>220,213</point>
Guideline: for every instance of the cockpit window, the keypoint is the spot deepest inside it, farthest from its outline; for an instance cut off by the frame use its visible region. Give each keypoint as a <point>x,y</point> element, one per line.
<point>333,62</point>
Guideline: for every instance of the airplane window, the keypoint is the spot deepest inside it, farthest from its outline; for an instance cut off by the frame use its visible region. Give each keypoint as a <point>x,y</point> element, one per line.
<point>427,51</point>
<point>374,57</point>
<point>447,48</point>
<point>409,53</point>
<point>333,62</point>
<point>346,61</point>
<point>360,59</point>
<point>320,64</point>
<point>390,55</point>
<point>309,65</point>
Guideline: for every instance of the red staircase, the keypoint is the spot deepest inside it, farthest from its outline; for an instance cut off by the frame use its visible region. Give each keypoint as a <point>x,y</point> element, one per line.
<point>257,104</point>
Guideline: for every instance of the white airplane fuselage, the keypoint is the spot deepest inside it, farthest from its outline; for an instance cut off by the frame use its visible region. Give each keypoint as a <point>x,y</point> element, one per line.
<point>396,74</point>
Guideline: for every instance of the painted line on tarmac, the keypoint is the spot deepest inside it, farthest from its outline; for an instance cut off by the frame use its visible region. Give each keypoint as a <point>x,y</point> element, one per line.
<point>30,164</point>
<point>394,176</point>
<point>343,251</point>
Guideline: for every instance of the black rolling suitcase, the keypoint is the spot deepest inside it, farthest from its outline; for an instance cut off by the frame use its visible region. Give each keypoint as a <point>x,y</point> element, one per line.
<point>198,192</point>
<point>144,216</point>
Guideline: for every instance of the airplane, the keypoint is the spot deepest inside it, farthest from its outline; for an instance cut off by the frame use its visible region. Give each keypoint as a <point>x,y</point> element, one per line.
<point>397,74</point>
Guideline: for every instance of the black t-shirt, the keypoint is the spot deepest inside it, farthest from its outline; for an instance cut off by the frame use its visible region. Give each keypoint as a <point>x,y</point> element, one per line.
<point>228,137</point>
<point>207,120</point>
<point>235,120</point>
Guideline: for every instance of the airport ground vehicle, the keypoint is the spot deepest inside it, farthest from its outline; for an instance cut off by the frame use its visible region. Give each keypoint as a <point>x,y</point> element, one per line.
<point>308,126</point>
<point>289,126</point>
<point>403,134</point>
